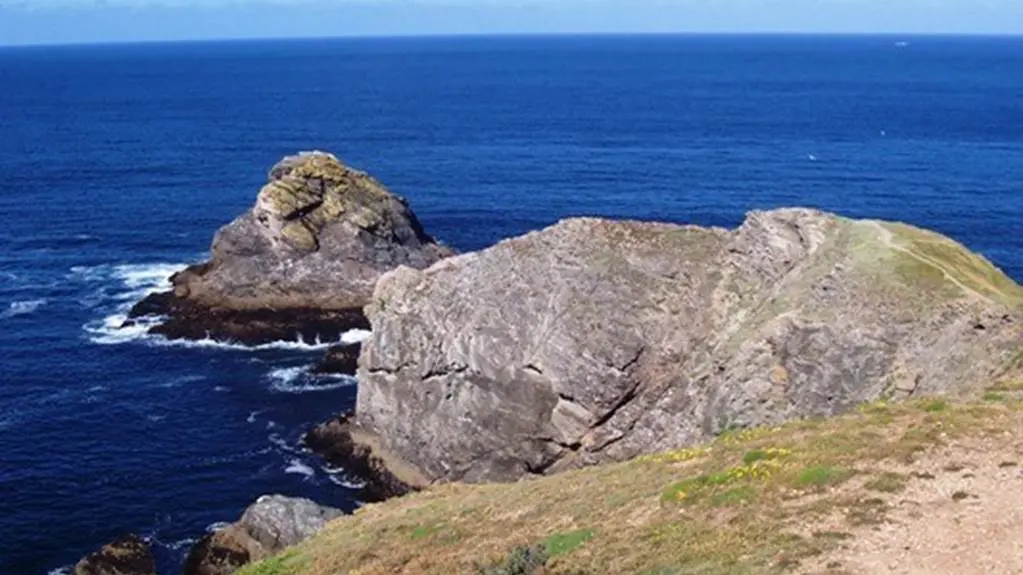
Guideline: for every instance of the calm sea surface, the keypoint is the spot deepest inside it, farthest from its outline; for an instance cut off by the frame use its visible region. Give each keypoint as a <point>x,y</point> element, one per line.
<point>118,163</point>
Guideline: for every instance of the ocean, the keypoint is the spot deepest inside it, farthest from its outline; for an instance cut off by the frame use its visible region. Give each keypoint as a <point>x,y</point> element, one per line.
<point>119,163</point>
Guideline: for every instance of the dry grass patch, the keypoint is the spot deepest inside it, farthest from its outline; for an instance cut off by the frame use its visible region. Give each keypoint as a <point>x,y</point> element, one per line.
<point>753,501</point>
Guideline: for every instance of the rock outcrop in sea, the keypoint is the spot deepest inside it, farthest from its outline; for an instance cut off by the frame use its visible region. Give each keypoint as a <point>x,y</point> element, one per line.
<point>301,263</point>
<point>595,341</point>
<point>128,555</point>
<point>270,525</point>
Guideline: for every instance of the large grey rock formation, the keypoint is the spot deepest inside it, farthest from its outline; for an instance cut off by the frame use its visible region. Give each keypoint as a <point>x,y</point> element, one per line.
<point>595,340</point>
<point>267,527</point>
<point>302,261</point>
<point>129,555</point>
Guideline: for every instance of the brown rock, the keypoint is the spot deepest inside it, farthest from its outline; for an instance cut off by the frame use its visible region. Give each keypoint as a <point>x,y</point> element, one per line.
<point>129,555</point>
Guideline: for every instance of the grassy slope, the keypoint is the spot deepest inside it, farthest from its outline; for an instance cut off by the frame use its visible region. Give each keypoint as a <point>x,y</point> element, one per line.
<point>747,503</point>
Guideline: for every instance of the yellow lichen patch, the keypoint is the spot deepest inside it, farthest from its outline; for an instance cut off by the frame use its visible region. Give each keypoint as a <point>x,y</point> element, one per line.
<point>300,237</point>
<point>779,375</point>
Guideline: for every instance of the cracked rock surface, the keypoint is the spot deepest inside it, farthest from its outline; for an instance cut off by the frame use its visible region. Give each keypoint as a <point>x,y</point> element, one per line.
<point>595,340</point>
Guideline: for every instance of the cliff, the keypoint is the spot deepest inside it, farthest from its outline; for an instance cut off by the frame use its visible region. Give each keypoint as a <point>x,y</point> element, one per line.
<point>596,341</point>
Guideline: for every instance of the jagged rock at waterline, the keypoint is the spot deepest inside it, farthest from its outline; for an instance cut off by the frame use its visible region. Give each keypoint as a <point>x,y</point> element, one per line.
<point>128,555</point>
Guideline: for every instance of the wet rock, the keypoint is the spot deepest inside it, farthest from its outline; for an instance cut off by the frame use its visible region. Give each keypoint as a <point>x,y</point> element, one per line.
<point>129,555</point>
<point>343,444</point>
<point>340,359</point>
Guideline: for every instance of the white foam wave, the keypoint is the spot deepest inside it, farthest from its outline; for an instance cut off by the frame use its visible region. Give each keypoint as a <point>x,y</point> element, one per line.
<point>180,544</point>
<point>218,526</point>
<point>300,380</point>
<point>356,336</point>
<point>65,570</point>
<point>22,308</point>
<point>252,417</point>
<point>297,467</point>
<point>112,330</point>
<point>346,482</point>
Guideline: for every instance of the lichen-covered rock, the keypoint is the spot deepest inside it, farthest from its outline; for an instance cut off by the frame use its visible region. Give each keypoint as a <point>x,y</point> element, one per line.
<point>129,555</point>
<point>303,261</point>
<point>595,340</point>
<point>267,527</point>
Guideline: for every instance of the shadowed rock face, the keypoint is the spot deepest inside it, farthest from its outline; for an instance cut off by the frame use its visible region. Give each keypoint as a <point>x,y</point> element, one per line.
<point>303,261</point>
<point>129,555</point>
<point>595,341</point>
<point>267,527</point>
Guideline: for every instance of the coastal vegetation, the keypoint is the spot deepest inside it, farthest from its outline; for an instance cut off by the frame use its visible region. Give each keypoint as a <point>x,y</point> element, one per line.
<point>766,500</point>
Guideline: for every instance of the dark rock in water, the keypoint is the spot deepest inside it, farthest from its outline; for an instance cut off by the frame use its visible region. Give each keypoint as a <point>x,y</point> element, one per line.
<point>187,320</point>
<point>302,262</point>
<point>267,527</point>
<point>129,555</point>
<point>596,341</point>
<point>342,443</point>
<point>342,359</point>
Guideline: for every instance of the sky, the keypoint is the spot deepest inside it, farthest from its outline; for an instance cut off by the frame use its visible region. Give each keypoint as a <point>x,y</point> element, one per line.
<point>90,21</point>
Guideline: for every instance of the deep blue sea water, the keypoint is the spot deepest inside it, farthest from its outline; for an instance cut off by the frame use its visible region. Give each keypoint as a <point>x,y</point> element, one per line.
<point>118,163</point>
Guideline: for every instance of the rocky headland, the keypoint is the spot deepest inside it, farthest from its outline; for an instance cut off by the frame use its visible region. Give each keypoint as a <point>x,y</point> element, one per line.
<point>597,341</point>
<point>301,263</point>
<point>590,342</point>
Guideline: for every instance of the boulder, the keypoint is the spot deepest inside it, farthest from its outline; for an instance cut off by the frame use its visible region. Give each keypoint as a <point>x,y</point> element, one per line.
<point>342,359</point>
<point>128,555</point>
<point>267,527</point>
<point>595,341</point>
<point>302,262</point>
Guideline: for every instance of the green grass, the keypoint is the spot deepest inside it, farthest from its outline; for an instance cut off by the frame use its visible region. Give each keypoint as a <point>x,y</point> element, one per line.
<point>822,476</point>
<point>993,396</point>
<point>287,563</point>
<point>564,543</point>
<point>936,406</point>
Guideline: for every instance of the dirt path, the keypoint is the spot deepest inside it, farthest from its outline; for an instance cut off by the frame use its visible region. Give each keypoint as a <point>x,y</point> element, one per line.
<point>889,240</point>
<point>961,514</point>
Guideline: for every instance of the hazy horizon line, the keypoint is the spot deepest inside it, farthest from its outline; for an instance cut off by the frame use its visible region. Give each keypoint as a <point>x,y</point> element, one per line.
<point>485,35</point>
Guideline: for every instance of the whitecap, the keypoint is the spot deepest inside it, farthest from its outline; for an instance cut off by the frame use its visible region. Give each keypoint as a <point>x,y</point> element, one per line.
<point>180,544</point>
<point>300,380</point>
<point>252,417</point>
<point>356,336</point>
<point>22,308</point>
<point>218,526</point>
<point>346,482</point>
<point>65,570</point>
<point>297,467</point>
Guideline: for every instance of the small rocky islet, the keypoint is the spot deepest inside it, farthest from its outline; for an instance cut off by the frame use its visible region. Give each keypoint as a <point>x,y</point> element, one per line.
<point>589,342</point>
